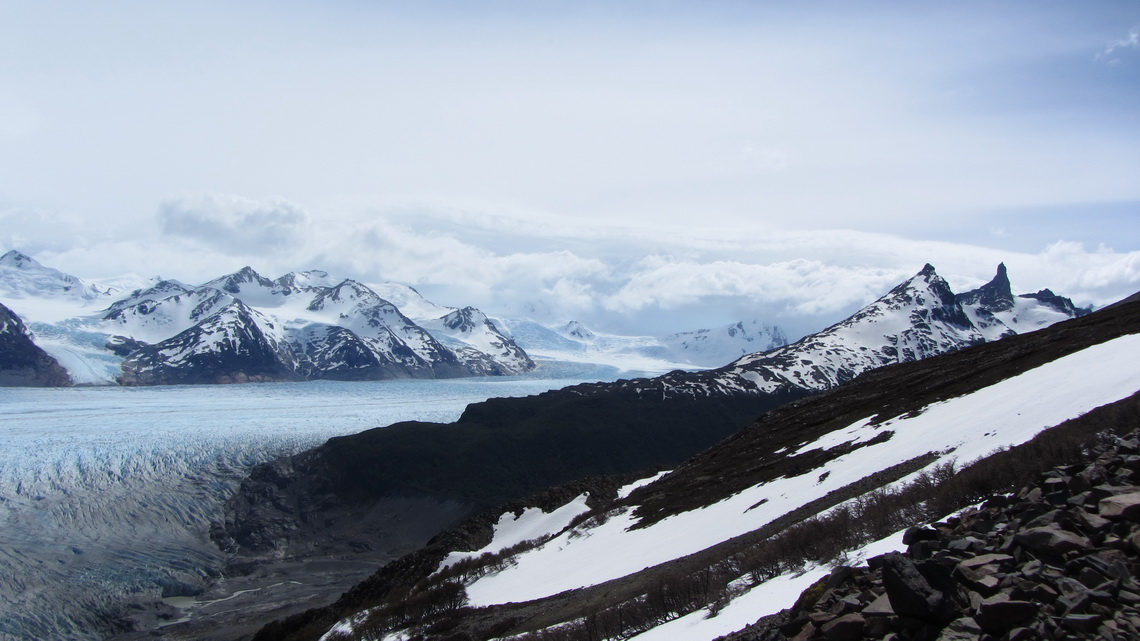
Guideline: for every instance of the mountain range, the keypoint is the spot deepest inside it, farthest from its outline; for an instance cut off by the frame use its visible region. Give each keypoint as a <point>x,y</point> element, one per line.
<point>756,523</point>
<point>243,327</point>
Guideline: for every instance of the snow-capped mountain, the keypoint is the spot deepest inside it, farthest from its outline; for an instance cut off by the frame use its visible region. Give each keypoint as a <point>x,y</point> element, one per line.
<point>919,318</point>
<point>245,327</point>
<point>714,347</point>
<point>472,335</point>
<point>228,346</point>
<point>699,349</point>
<point>21,276</point>
<point>713,546</point>
<point>302,325</point>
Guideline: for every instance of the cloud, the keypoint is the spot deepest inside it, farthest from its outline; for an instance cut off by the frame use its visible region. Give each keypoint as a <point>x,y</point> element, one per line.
<point>1131,41</point>
<point>235,224</point>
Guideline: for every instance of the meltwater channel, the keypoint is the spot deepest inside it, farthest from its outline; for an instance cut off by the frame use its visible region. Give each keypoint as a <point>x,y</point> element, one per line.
<point>107,493</point>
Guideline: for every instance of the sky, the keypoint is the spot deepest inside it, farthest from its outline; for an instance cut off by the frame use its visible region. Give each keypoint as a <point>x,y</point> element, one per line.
<point>643,167</point>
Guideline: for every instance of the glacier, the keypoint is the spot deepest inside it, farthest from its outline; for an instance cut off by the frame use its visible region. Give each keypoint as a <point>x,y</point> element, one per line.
<point>107,493</point>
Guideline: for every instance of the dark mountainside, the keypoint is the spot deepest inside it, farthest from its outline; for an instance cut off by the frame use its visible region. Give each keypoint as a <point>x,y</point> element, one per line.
<point>750,457</point>
<point>22,362</point>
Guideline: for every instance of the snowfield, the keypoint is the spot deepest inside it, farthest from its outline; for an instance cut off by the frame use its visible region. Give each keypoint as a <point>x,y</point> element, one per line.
<point>1008,413</point>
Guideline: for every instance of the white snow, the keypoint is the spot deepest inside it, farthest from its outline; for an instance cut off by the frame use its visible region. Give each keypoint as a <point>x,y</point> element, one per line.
<point>1008,413</point>
<point>532,524</point>
<point>767,598</point>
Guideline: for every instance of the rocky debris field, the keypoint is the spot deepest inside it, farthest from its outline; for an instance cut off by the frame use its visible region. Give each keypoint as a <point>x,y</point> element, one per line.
<point>1058,560</point>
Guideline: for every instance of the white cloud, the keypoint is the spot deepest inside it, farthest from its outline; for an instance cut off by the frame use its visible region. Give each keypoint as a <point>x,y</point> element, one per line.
<point>1131,41</point>
<point>235,224</point>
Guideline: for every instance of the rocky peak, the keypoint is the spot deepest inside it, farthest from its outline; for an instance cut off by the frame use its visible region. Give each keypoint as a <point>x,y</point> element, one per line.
<point>1059,303</point>
<point>464,320</point>
<point>995,296</point>
<point>233,283</point>
<point>347,290</point>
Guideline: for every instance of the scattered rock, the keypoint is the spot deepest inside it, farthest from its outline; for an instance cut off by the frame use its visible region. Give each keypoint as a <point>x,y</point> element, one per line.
<point>1056,560</point>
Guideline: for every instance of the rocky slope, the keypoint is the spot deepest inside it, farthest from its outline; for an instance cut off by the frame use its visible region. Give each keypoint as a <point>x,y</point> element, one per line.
<point>1060,559</point>
<point>22,363</point>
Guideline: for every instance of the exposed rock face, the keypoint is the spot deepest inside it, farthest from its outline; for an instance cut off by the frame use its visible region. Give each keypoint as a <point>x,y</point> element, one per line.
<point>22,363</point>
<point>1058,560</point>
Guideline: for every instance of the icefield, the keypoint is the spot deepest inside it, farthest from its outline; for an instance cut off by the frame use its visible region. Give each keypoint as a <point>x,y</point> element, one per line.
<point>108,492</point>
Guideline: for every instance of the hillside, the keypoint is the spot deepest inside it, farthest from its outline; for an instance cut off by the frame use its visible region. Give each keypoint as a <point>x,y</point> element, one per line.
<point>911,428</point>
<point>22,362</point>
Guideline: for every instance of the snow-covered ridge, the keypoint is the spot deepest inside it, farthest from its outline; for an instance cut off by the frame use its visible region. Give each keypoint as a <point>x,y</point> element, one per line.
<point>919,318</point>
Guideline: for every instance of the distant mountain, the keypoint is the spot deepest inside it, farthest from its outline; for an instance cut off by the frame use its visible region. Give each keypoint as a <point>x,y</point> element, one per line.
<point>245,327</point>
<point>22,363</point>
<point>697,349</point>
<point>919,318</point>
<point>476,339</point>
<point>713,347</point>
<point>22,277</point>
<point>301,326</point>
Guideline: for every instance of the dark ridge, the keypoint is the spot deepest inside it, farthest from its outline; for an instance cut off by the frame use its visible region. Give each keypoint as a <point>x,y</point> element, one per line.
<point>499,451</point>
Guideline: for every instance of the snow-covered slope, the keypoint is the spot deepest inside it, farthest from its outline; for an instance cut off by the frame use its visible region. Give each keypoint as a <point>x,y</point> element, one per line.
<point>477,340</point>
<point>715,347</point>
<point>410,301</point>
<point>885,430</point>
<point>964,428</point>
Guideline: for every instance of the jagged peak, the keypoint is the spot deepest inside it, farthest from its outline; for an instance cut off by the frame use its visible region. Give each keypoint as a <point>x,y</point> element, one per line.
<point>996,295</point>
<point>232,282</point>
